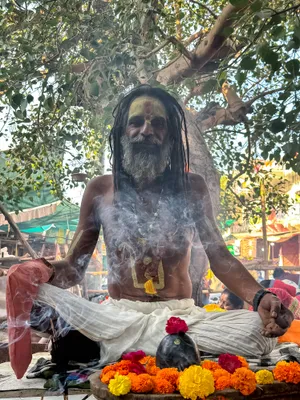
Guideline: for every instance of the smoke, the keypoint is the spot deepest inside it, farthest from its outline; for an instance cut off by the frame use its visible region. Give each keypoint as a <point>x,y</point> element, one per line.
<point>160,227</point>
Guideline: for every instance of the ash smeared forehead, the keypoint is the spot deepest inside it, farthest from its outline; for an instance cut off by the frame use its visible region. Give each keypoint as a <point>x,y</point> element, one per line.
<point>148,107</point>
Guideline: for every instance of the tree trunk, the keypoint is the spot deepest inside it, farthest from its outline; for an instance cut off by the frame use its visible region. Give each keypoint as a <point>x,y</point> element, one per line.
<point>201,161</point>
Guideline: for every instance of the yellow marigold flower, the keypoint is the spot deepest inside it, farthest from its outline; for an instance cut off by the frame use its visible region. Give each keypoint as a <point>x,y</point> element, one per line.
<point>213,308</point>
<point>149,287</point>
<point>120,385</point>
<point>264,377</point>
<point>196,382</point>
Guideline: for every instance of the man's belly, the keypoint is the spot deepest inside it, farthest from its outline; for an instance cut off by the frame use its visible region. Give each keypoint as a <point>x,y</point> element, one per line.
<point>173,283</point>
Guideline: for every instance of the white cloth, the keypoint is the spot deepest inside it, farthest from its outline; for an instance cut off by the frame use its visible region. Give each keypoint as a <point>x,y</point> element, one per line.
<point>123,325</point>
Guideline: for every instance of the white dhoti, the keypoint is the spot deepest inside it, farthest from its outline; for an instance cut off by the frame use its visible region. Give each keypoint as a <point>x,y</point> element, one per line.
<point>124,325</point>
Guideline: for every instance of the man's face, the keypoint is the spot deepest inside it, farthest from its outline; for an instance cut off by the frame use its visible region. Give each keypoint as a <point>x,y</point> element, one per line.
<point>147,121</point>
<point>146,143</point>
<point>225,303</point>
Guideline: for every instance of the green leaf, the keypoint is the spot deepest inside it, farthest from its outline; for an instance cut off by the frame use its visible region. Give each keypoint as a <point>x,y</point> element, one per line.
<point>94,89</point>
<point>209,86</point>
<point>48,104</point>
<point>293,66</point>
<point>240,77</point>
<point>277,125</point>
<point>17,99</point>
<point>30,98</point>
<point>278,32</point>
<point>264,14</point>
<point>248,63</point>
<point>19,114</point>
<point>239,3</point>
<point>256,6</point>
<point>86,54</point>
<point>288,147</point>
<point>270,108</point>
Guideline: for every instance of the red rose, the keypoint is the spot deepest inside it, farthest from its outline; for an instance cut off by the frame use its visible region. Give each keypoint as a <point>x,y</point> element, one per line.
<point>176,325</point>
<point>229,362</point>
<point>134,356</point>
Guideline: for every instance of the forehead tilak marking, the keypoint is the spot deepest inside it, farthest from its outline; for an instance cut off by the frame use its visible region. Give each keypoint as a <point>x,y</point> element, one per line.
<point>147,105</point>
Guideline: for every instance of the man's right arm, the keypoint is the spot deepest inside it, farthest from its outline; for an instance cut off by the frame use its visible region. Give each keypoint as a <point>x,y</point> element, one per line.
<point>70,271</point>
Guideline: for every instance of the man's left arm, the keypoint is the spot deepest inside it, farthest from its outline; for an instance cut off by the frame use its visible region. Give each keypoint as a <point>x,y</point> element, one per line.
<point>227,268</point>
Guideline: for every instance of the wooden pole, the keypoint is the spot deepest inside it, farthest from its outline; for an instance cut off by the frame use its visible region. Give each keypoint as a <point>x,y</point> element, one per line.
<point>264,226</point>
<point>17,231</point>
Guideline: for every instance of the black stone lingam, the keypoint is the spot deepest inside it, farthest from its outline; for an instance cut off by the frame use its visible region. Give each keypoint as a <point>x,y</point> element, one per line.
<point>177,349</point>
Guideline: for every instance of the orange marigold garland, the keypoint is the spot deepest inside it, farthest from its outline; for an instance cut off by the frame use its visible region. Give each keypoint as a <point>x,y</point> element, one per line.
<point>141,383</point>
<point>170,374</point>
<point>210,365</point>
<point>122,377</point>
<point>162,386</point>
<point>243,379</point>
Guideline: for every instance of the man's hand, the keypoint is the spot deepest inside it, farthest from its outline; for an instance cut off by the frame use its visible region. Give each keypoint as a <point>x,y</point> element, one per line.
<point>275,316</point>
<point>3,272</point>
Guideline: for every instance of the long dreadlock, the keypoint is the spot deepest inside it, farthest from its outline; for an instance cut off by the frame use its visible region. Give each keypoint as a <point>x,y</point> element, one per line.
<point>176,124</point>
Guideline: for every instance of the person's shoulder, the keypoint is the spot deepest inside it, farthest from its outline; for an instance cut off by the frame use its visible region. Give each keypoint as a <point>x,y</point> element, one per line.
<point>100,184</point>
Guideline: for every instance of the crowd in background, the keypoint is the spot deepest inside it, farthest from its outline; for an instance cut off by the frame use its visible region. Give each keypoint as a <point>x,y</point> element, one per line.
<point>284,285</point>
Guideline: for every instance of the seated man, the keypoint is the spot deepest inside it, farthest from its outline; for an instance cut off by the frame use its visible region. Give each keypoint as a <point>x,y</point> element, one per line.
<point>150,208</point>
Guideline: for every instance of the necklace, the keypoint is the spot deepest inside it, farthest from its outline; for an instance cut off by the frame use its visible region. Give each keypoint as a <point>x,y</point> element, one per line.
<point>150,267</point>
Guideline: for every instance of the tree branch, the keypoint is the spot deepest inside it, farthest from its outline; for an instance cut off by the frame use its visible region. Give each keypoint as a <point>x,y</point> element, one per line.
<point>206,8</point>
<point>193,37</point>
<point>17,231</point>
<point>206,50</point>
<point>267,92</point>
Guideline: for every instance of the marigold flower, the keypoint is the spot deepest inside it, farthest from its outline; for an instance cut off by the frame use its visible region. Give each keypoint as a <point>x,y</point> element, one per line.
<point>287,372</point>
<point>229,362</point>
<point>148,360</point>
<point>120,385</point>
<point>150,365</point>
<point>243,361</point>
<point>162,386</point>
<point>223,383</point>
<point>196,382</point>
<point>107,377</point>
<point>281,371</point>
<point>141,383</point>
<point>210,365</point>
<point>243,379</point>
<point>213,308</point>
<point>170,374</point>
<point>264,377</point>
<point>107,369</point>
<point>220,372</point>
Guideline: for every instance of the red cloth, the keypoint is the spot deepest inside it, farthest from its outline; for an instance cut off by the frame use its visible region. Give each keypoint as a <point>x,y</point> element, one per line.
<point>278,284</point>
<point>22,286</point>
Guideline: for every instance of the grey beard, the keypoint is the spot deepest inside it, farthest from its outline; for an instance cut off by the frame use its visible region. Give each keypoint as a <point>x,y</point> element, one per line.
<point>144,166</point>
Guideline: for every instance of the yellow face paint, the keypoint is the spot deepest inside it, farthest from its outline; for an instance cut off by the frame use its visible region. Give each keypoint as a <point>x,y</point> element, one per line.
<point>148,107</point>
